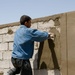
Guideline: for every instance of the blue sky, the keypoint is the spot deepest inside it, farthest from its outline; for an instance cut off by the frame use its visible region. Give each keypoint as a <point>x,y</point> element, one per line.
<point>12,10</point>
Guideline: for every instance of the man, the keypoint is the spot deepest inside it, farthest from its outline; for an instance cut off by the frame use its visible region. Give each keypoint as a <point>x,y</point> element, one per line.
<point>23,46</point>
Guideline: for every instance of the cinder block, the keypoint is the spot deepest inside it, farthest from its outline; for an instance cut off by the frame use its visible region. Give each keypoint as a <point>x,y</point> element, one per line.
<point>14,28</point>
<point>10,64</point>
<point>0,38</point>
<point>0,55</point>
<point>10,46</point>
<point>3,31</point>
<point>8,37</point>
<point>7,55</point>
<point>3,46</point>
<point>5,71</point>
<point>4,64</point>
<point>34,25</point>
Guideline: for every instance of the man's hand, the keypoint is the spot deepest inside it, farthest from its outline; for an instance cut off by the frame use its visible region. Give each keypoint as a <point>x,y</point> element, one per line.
<point>51,36</point>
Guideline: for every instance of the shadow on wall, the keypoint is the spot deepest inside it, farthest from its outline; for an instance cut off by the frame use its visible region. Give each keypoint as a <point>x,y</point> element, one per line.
<point>42,65</point>
<point>55,61</point>
<point>42,71</point>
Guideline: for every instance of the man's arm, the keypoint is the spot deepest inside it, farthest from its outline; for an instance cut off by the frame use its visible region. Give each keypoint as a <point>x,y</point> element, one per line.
<point>39,36</point>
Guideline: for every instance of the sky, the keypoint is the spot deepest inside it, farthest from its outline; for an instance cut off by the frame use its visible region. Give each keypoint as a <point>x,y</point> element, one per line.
<point>12,10</point>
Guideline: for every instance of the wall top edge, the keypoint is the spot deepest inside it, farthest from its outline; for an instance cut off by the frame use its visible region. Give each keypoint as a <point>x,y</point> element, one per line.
<point>42,19</point>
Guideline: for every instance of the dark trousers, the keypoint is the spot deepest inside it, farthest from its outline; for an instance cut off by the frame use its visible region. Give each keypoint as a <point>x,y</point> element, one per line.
<point>20,66</point>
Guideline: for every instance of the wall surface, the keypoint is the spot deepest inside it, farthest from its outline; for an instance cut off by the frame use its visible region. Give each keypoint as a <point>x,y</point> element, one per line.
<point>51,57</point>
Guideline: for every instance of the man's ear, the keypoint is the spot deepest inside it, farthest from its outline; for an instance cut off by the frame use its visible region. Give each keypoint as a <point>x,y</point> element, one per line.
<point>25,23</point>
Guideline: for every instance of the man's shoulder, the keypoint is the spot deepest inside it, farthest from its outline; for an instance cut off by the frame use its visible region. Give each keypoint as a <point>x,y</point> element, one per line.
<point>31,30</point>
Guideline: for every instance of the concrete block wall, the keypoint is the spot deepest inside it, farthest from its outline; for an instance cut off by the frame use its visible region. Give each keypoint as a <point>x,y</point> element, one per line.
<point>6,43</point>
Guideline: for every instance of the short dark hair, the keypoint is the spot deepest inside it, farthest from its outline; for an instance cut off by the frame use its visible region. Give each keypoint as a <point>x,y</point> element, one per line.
<point>24,18</point>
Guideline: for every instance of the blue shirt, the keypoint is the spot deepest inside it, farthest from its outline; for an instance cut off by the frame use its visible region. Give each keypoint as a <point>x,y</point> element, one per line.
<point>24,38</point>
